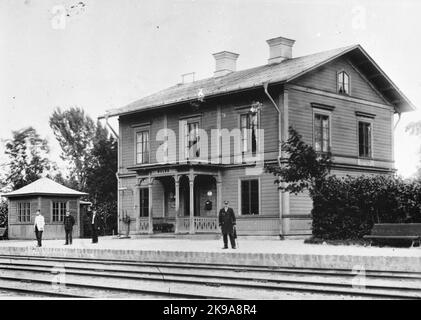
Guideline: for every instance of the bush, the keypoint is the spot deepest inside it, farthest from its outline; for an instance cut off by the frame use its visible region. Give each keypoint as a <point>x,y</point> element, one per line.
<point>346,208</point>
<point>3,213</point>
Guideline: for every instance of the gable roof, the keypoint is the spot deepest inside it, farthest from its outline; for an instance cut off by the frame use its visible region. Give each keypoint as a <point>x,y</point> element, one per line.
<point>281,72</point>
<point>44,186</point>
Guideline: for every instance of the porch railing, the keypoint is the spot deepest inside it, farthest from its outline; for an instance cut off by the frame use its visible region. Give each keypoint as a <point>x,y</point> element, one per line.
<point>183,224</point>
<point>201,224</point>
<point>143,225</point>
<point>206,224</point>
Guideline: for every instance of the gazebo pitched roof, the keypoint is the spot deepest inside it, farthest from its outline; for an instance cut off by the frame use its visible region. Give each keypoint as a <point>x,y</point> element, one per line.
<point>44,186</point>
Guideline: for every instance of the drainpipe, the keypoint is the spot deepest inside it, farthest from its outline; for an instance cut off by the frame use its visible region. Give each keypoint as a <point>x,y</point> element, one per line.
<point>281,197</point>
<point>116,174</point>
<point>265,86</point>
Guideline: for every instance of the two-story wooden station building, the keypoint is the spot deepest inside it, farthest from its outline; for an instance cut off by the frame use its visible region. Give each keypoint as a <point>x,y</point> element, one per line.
<point>185,149</point>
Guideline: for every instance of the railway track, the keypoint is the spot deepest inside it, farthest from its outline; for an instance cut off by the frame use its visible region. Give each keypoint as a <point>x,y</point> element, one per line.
<point>91,278</point>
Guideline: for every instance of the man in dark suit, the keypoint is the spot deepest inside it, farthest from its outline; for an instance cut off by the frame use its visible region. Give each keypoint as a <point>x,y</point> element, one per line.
<point>227,223</point>
<point>94,226</point>
<point>69,222</point>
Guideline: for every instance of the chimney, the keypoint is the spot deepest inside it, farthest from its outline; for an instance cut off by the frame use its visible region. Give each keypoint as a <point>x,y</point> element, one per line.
<point>226,63</point>
<point>280,48</point>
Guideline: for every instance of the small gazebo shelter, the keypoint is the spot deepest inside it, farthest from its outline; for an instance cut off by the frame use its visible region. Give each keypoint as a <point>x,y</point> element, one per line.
<point>53,199</point>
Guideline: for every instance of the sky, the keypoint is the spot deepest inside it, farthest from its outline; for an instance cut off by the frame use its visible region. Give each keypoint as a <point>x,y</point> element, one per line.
<point>103,54</point>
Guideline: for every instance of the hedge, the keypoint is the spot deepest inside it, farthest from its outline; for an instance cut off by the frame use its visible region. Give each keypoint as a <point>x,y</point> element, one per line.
<point>346,208</point>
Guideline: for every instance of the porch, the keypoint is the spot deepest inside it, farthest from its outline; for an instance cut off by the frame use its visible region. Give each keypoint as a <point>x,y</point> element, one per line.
<point>182,200</point>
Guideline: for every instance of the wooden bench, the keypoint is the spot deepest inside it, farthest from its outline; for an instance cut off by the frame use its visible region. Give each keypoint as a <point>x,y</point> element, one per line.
<point>396,231</point>
<point>3,233</point>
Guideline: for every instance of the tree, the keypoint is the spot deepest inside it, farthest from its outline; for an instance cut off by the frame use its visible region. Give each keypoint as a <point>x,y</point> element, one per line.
<point>28,157</point>
<point>101,180</point>
<point>3,213</point>
<point>303,169</point>
<point>75,132</point>
<point>92,155</point>
<point>414,128</point>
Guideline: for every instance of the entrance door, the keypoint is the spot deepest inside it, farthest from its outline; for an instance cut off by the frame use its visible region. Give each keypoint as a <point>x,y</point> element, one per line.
<point>186,202</point>
<point>144,202</point>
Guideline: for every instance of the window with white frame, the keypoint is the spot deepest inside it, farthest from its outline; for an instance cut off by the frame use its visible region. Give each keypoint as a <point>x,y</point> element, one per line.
<point>142,146</point>
<point>321,132</point>
<point>343,83</point>
<point>24,211</point>
<point>365,139</point>
<point>59,210</point>
<point>250,197</point>
<point>248,125</point>
<point>191,138</point>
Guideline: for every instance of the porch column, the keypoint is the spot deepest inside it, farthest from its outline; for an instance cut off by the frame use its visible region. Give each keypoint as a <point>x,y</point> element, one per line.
<point>191,183</point>
<point>150,219</point>
<point>177,200</point>
<point>218,193</point>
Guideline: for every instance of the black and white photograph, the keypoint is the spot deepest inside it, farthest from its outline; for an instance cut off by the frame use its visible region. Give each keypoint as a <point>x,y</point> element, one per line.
<point>186,151</point>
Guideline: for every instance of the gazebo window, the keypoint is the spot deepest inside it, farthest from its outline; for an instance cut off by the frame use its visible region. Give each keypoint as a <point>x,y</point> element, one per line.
<point>59,211</point>
<point>24,211</point>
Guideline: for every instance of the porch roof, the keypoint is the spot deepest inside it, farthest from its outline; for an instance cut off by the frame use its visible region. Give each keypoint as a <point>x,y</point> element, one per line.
<point>176,167</point>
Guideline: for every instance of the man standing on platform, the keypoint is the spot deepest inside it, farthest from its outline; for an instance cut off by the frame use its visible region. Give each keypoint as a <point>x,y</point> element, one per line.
<point>227,223</point>
<point>39,226</point>
<point>95,226</point>
<point>68,222</point>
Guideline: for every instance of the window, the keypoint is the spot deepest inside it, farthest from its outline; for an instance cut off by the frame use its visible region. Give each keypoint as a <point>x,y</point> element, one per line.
<point>248,127</point>
<point>192,140</point>
<point>59,211</point>
<point>144,202</point>
<point>343,83</point>
<point>250,197</point>
<point>24,211</point>
<point>364,139</point>
<point>321,132</point>
<point>142,147</point>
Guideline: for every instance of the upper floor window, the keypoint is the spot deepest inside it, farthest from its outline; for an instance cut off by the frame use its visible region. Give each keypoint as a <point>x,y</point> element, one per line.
<point>142,147</point>
<point>24,211</point>
<point>343,83</point>
<point>248,127</point>
<point>192,139</point>
<point>59,210</point>
<point>321,132</point>
<point>364,139</point>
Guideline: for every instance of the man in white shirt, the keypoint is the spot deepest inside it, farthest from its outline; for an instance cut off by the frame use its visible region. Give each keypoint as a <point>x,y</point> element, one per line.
<point>39,226</point>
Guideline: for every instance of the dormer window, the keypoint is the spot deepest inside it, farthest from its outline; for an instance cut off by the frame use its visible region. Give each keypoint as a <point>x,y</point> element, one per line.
<point>343,83</point>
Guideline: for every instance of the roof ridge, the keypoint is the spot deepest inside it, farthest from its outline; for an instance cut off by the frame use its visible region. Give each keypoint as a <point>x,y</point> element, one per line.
<point>244,79</point>
<point>178,85</point>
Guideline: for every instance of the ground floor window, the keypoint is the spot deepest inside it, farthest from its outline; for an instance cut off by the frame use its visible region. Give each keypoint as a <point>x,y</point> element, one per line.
<point>24,211</point>
<point>250,197</point>
<point>59,210</point>
<point>364,139</point>
<point>144,202</point>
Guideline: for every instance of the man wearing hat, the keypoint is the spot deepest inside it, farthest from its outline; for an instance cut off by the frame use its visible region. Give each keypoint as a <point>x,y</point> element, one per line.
<point>69,222</point>
<point>227,223</point>
<point>94,226</point>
